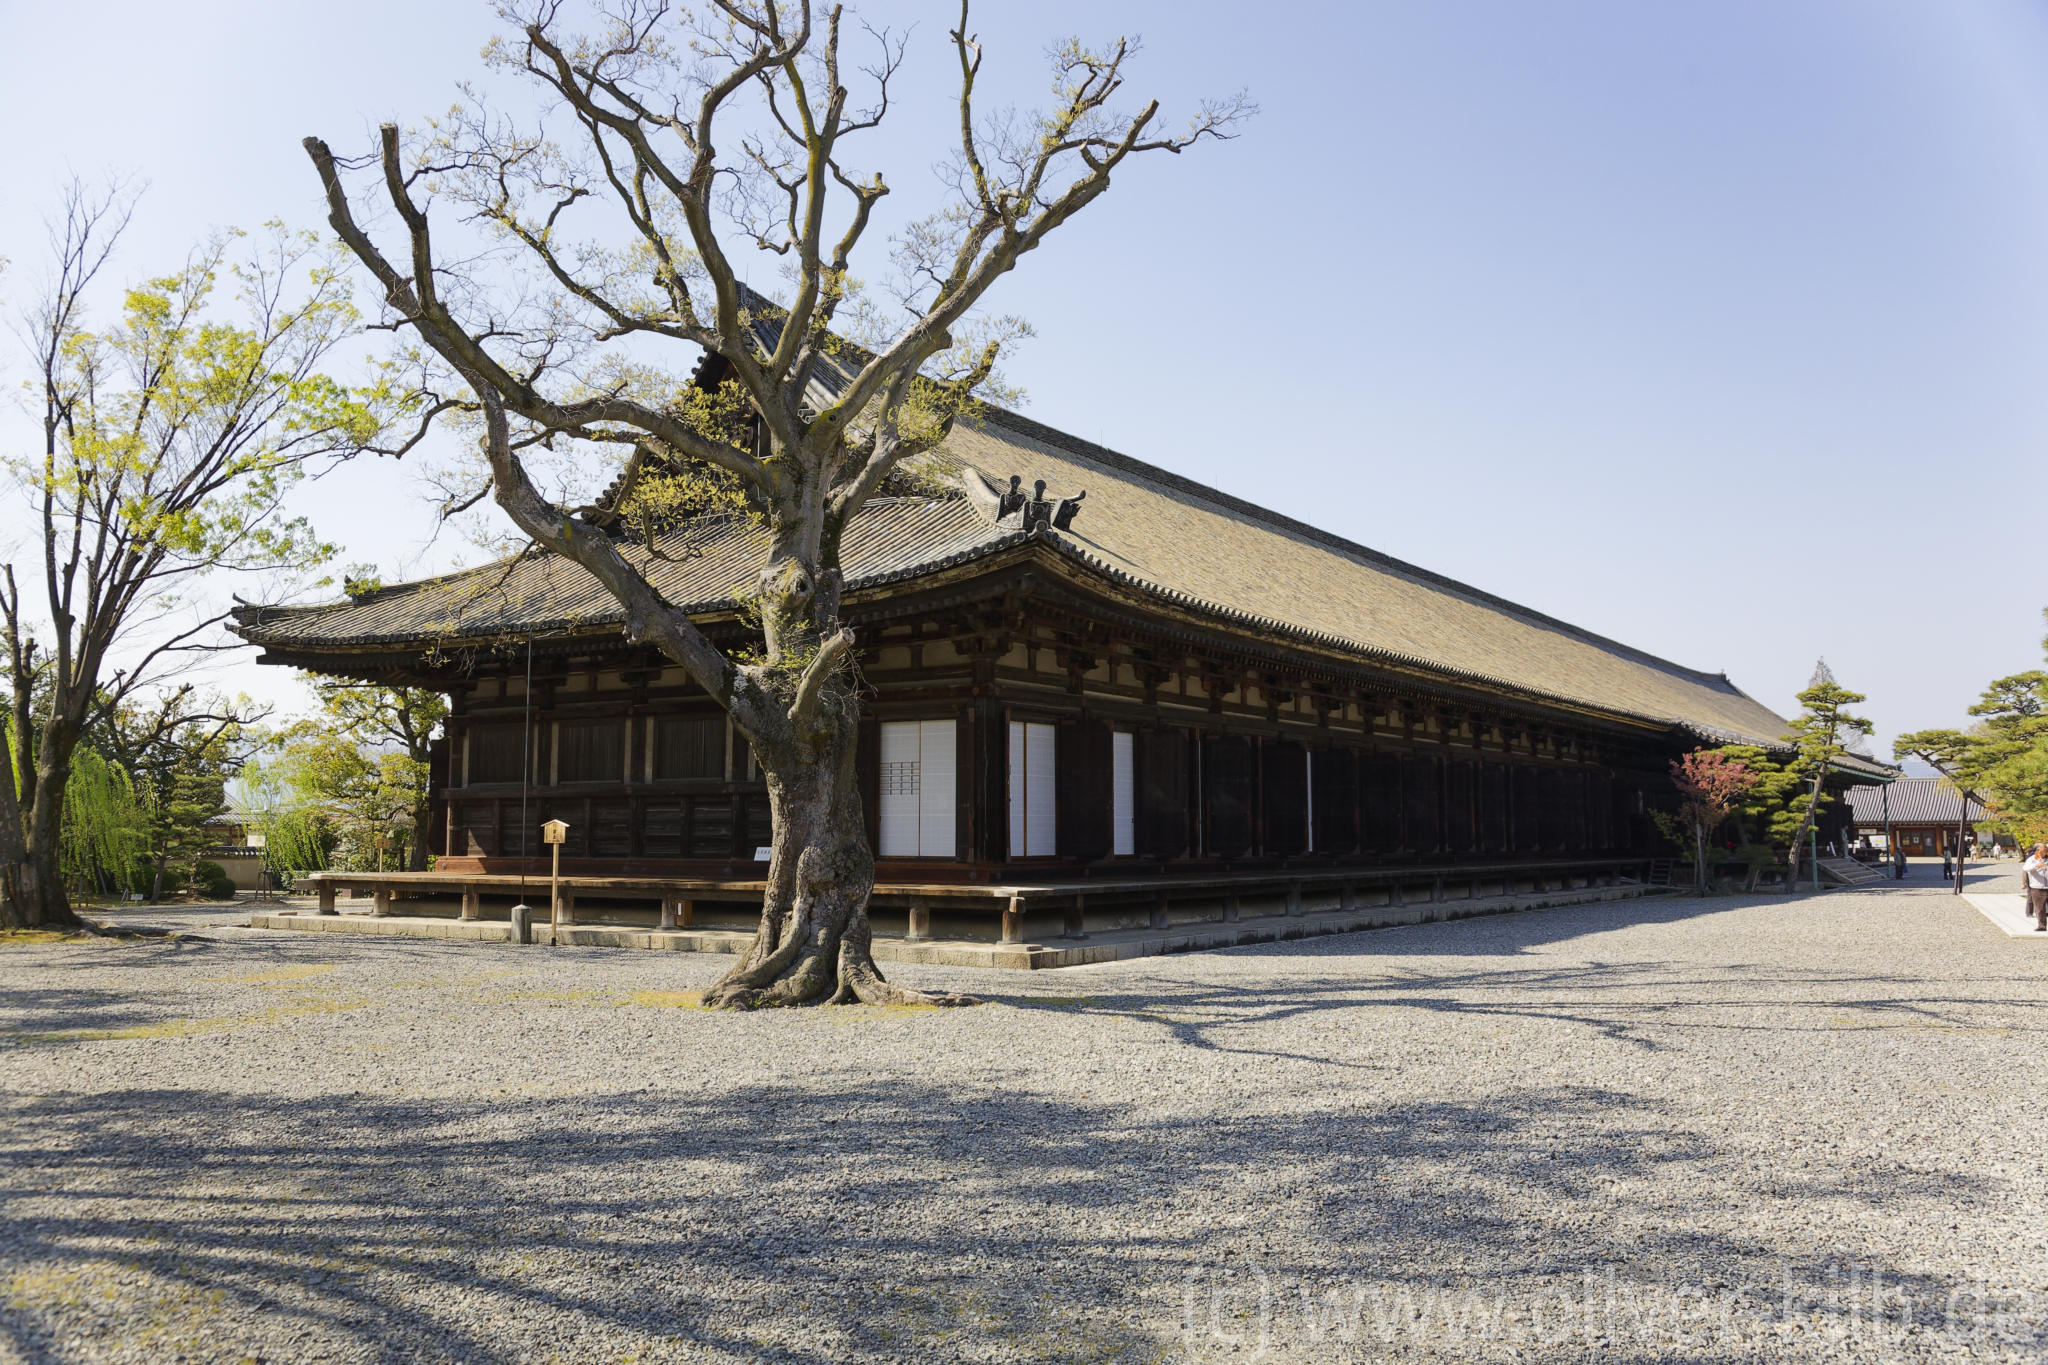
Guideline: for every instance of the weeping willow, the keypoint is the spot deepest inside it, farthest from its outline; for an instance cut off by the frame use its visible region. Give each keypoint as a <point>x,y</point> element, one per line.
<point>296,837</point>
<point>294,840</point>
<point>105,828</point>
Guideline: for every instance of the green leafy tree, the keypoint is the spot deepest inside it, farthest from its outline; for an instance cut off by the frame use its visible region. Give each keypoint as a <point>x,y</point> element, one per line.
<point>401,720</point>
<point>1768,813</point>
<point>180,802</point>
<point>180,748</point>
<point>171,439</point>
<point>2001,760</point>
<point>298,835</point>
<point>360,793</point>
<point>106,827</point>
<point>1821,734</point>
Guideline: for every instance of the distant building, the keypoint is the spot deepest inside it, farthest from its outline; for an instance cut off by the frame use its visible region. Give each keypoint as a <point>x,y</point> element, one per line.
<point>237,846</point>
<point>1921,813</point>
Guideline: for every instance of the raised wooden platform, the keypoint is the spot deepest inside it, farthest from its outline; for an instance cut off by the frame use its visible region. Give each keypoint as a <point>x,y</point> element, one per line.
<point>1297,919</point>
<point>1151,900</point>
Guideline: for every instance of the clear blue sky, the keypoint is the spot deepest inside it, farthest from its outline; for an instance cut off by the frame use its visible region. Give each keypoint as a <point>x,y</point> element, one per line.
<point>1720,328</point>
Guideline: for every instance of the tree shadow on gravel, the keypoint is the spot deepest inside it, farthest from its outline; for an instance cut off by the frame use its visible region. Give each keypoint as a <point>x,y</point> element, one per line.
<point>1648,1005</point>
<point>836,1223</point>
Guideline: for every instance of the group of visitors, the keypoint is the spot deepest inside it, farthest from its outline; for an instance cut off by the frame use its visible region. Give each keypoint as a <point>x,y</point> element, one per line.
<point>2035,870</point>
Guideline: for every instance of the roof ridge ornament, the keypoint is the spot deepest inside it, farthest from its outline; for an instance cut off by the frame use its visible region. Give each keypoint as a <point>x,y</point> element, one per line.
<point>1041,511</point>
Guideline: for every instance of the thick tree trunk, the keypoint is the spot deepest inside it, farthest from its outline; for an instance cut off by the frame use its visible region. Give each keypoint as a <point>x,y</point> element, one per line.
<point>813,946</point>
<point>416,847</point>
<point>35,895</point>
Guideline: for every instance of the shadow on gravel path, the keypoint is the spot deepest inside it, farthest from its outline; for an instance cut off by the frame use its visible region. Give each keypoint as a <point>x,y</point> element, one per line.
<point>864,1223</point>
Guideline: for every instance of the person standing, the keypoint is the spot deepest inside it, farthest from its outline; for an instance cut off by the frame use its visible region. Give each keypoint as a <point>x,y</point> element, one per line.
<point>1898,862</point>
<point>2035,871</point>
<point>1948,864</point>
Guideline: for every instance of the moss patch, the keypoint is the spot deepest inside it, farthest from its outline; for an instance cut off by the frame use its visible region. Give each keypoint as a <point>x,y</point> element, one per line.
<point>280,974</point>
<point>30,938</point>
<point>682,1000</point>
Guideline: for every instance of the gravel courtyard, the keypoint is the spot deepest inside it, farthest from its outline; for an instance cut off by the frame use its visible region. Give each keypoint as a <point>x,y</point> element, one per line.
<point>1735,1129</point>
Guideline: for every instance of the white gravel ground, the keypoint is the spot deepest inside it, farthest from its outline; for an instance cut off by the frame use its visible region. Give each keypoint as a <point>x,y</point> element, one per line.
<point>1762,1129</point>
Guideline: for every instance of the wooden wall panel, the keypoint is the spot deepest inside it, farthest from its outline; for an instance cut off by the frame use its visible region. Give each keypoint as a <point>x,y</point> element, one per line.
<point>1554,821</point>
<point>1083,787</point>
<point>1382,788</point>
<point>1163,793</point>
<point>1421,795</point>
<point>1493,807</point>
<point>590,751</point>
<point>1335,788</point>
<point>1460,821</point>
<point>711,827</point>
<point>662,827</point>
<point>494,750</point>
<point>611,828</point>
<point>1528,808</point>
<point>1229,791</point>
<point>1284,792</point>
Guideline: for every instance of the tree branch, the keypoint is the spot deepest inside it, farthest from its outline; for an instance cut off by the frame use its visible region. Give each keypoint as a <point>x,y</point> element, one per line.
<point>803,708</point>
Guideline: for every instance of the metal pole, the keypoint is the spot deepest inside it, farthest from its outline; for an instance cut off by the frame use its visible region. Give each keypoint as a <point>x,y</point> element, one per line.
<point>525,766</point>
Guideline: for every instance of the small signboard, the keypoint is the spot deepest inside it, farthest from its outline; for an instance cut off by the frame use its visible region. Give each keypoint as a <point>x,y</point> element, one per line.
<point>763,854</point>
<point>555,832</point>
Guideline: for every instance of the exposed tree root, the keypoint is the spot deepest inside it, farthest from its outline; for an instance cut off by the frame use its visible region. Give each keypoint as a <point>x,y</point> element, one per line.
<point>838,970</point>
<point>815,946</point>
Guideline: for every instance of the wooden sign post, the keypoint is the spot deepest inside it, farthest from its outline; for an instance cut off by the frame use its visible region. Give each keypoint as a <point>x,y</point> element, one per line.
<point>383,842</point>
<point>554,834</point>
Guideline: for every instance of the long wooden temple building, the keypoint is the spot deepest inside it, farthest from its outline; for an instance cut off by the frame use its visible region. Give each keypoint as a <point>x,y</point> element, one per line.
<point>1157,686</point>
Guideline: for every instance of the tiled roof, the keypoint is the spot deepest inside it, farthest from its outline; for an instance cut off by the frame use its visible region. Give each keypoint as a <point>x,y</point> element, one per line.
<point>1195,544</point>
<point>1146,527</point>
<point>1913,801</point>
<point>706,565</point>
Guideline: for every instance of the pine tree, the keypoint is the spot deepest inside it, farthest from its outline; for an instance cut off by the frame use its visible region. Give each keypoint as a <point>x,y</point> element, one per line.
<point>1822,734</point>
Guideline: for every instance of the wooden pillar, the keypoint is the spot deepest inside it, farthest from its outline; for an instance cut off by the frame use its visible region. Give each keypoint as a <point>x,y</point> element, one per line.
<point>668,912</point>
<point>326,894</point>
<point>568,905</point>
<point>1294,898</point>
<point>1347,897</point>
<point>472,902</point>
<point>380,901</point>
<point>921,923</point>
<point>1394,896</point>
<point>1232,909</point>
<point>1076,923</point>
<point>1159,910</point>
<point>1436,889</point>
<point>1013,920</point>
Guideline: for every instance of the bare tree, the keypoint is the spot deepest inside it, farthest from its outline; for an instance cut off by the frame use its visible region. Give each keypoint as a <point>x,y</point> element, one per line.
<point>169,443</point>
<point>645,100</point>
